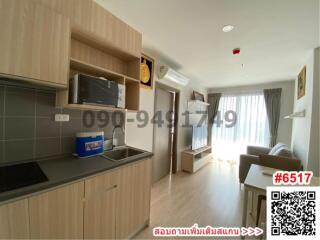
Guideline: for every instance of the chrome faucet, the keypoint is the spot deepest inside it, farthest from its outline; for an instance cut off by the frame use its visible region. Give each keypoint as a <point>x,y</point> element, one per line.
<point>113,133</point>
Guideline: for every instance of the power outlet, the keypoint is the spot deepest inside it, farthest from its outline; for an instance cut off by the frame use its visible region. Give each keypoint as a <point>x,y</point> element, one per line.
<point>61,117</point>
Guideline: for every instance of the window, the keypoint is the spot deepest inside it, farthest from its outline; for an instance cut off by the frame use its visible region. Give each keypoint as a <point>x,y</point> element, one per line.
<point>250,128</point>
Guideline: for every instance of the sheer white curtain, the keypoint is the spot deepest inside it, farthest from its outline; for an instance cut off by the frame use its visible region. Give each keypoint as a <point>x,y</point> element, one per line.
<point>241,121</point>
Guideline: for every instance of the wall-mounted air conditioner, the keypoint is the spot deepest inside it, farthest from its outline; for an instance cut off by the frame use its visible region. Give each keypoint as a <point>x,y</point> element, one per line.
<point>172,75</point>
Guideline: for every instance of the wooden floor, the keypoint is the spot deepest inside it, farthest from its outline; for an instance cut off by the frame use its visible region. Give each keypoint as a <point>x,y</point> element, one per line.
<point>211,196</point>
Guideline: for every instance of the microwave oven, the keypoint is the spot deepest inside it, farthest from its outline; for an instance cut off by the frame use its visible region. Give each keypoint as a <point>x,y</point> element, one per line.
<point>85,89</point>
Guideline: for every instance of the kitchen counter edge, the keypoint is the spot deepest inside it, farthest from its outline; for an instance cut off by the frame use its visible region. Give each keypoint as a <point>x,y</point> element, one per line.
<point>65,171</point>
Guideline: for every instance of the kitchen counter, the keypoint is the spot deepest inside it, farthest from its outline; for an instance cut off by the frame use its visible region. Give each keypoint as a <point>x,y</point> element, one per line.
<point>68,169</point>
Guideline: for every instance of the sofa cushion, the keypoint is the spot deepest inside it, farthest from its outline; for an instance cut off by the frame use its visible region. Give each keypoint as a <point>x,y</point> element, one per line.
<point>275,148</point>
<point>282,163</point>
<point>282,150</point>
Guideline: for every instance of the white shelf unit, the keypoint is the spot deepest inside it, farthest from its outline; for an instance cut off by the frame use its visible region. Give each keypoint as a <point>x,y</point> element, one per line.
<point>196,111</point>
<point>195,106</point>
<point>192,161</point>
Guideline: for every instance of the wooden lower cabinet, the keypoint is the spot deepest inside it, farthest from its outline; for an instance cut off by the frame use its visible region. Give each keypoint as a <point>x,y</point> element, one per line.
<point>115,204</point>
<point>14,220</point>
<point>100,206</point>
<point>100,216</point>
<point>58,213</point>
<point>133,210</point>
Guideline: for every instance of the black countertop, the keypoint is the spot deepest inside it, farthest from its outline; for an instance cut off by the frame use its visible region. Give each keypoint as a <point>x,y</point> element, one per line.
<point>67,169</point>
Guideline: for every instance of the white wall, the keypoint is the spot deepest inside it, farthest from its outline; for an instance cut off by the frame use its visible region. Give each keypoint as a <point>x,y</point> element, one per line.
<point>319,81</point>
<point>305,132</point>
<point>287,99</point>
<point>185,133</point>
<point>143,137</point>
<point>314,161</point>
<point>319,23</point>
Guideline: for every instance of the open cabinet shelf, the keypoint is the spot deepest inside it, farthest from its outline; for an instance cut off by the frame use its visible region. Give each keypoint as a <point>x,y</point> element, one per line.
<point>132,94</point>
<point>94,55</point>
<point>95,60</point>
<point>94,107</point>
<point>129,79</point>
<point>96,70</point>
<point>86,68</point>
<point>101,45</point>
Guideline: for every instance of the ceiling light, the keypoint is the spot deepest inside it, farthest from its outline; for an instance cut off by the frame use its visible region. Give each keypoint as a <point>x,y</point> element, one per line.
<point>227,28</point>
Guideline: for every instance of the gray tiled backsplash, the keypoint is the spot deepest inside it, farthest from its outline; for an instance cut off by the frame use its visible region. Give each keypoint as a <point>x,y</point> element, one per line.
<point>47,127</point>
<point>67,145</point>
<point>1,100</point>
<point>45,101</point>
<point>46,147</point>
<point>19,101</point>
<point>28,129</point>
<point>18,150</point>
<point>1,150</point>
<point>17,128</point>
<point>69,128</point>
<point>1,129</point>
<point>73,113</point>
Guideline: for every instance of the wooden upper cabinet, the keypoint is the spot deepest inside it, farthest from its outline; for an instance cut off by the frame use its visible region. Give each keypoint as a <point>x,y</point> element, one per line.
<point>14,220</point>
<point>78,11</point>
<point>35,42</point>
<point>88,17</point>
<point>133,198</point>
<point>58,213</point>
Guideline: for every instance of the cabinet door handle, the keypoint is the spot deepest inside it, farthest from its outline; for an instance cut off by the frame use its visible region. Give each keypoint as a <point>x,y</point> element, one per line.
<point>110,188</point>
<point>97,193</point>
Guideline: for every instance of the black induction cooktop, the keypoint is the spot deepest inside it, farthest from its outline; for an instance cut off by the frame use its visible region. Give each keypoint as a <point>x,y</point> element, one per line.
<point>20,175</point>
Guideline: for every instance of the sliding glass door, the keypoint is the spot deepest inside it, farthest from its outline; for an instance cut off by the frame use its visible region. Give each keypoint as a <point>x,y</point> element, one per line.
<point>241,121</point>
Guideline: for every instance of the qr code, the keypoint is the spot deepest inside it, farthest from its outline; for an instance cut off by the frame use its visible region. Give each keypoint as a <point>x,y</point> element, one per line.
<point>293,211</point>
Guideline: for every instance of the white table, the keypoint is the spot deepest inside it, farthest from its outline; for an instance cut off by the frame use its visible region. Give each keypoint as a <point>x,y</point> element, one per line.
<point>258,182</point>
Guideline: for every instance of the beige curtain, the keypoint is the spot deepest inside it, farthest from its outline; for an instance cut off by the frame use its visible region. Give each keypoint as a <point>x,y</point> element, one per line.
<point>272,98</point>
<point>213,100</point>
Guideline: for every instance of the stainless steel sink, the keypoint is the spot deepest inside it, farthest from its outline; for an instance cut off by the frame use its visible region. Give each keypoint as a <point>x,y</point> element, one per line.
<point>122,153</point>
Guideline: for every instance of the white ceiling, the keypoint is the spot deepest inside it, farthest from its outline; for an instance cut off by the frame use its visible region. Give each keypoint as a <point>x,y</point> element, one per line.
<point>275,36</point>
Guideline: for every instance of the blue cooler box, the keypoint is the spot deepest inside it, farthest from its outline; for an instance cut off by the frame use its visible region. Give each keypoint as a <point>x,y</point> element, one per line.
<point>89,144</point>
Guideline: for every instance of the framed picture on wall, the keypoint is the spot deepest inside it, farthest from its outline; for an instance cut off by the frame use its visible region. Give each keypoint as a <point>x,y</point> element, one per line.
<point>146,72</point>
<point>302,83</point>
<point>198,96</point>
